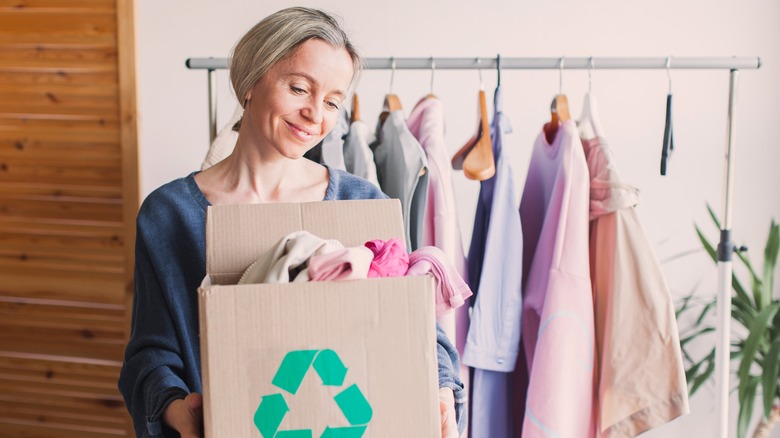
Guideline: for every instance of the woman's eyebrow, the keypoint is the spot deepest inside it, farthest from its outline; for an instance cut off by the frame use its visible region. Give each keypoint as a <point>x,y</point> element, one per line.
<point>313,81</point>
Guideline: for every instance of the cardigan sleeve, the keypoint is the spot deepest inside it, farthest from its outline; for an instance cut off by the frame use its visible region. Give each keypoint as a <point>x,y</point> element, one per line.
<point>448,374</point>
<point>151,377</point>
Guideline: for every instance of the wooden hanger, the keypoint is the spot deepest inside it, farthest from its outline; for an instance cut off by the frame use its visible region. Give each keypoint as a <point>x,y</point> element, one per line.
<point>559,110</point>
<point>559,113</point>
<point>476,156</point>
<point>392,103</point>
<point>355,116</point>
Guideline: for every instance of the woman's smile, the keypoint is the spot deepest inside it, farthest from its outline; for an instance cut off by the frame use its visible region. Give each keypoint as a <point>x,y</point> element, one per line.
<point>300,132</point>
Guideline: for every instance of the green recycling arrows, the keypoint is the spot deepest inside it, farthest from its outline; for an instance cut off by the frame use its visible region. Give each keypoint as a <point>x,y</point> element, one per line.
<point>270,413</point>
<point>289,376</point>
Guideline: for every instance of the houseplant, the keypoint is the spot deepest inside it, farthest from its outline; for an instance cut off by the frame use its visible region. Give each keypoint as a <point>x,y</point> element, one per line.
<point>755,341</point>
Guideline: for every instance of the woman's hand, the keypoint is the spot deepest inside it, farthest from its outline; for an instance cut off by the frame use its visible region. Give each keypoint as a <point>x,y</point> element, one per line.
<point>449,425</point>
<point>186,416</point>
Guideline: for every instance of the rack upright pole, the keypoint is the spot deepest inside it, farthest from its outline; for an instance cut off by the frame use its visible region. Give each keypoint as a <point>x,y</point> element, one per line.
<point>725,254</point>
<point>212,78</point>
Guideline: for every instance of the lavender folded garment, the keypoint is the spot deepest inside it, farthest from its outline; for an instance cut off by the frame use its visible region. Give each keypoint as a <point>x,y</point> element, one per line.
<point>451,289</point>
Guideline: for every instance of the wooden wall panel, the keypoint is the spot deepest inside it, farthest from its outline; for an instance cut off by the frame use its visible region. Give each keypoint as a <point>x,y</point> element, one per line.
<point>60,5</point>
<point>68,196</point>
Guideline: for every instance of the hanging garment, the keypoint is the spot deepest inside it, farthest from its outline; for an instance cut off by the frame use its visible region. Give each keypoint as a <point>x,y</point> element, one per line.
<point>332,152</point>
<point>557,323</point>
<point>495,257</point>
<point>225,141</point>
<point>641,374</point>
<point>402,170</point>
<point>494,333</point>
<point>358,157</point>
<point>440,226</point>
<point>288,260</point>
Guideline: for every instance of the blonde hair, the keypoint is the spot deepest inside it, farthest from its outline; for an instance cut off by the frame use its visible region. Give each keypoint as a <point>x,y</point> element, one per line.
<point>278,36</point>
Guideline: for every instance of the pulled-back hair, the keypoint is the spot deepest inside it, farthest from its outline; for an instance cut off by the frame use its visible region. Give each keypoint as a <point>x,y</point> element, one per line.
<point>278,36</point>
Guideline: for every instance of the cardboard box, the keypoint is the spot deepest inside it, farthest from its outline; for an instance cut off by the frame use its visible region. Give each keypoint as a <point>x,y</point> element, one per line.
<point>319,359</point>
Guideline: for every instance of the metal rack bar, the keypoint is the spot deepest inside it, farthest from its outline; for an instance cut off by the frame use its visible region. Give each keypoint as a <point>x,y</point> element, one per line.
<point>573,63</point>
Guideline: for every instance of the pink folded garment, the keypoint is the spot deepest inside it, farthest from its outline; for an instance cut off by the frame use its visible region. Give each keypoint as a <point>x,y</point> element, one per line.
<point>344,264</point>
<point>451,289</point>
<point>390,258</point>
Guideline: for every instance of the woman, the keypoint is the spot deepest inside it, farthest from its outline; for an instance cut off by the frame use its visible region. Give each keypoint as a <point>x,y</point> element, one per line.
<point>292,71</point>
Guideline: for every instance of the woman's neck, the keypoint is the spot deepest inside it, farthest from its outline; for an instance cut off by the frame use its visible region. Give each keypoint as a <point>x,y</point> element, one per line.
<point>248,177</point>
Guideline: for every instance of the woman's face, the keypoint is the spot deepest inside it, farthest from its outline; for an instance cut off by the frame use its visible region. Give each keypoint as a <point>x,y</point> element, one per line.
<point>295,104</point>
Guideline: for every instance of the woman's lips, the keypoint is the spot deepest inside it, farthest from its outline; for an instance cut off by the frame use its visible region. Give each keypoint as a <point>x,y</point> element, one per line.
<point>300,132</point>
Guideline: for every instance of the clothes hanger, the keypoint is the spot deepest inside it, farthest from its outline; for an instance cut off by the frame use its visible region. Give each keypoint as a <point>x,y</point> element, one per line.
<point>498,70</point>
<point>433,72</point>
<point>588,124</point>
<point>392,102</point>
<point>355,116</point>
<point>559,109</point>
<point>476,156</point>
<point>668,146</point>
<point>430,95</point>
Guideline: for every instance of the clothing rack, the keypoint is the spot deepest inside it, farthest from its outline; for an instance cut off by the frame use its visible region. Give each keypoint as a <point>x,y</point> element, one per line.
<point>733,64</point>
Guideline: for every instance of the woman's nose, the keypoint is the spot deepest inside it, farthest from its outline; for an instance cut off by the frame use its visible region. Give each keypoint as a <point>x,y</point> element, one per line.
<point>313,111</point>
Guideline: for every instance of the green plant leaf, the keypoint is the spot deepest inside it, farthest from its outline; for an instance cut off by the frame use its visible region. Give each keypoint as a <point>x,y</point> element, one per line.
<point>693,371</point>
<point>774,330</point>
<point>706,244</point>
<point>757,331</point>
<point>746,401</point>
<point>707,307</point>
<point>713,215</point>
<point>755,281</point>
<point>746,261</point>
<point>743,315</point>
<point>743,301</point>
<point>686,304</point>
<point>758,294</point>
<point>740,290</point>
<point>698,380</point>
<point>770,261</point>
<point>696,334</point>
<point>770,376</point>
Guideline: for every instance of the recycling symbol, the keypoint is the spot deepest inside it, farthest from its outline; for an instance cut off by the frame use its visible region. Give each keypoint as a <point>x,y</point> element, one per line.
<point>295,365</point>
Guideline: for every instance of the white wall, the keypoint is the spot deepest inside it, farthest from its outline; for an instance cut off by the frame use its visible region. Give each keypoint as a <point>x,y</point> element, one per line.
<point>173,117</point>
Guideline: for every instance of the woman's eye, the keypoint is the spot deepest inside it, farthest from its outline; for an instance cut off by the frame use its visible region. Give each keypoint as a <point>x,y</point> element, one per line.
<point>297,90</point>
<point>332,105</point>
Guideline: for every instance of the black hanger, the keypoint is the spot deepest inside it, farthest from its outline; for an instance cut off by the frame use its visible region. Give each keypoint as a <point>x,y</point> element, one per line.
<point>498,70</point>
<point>668,145</point>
